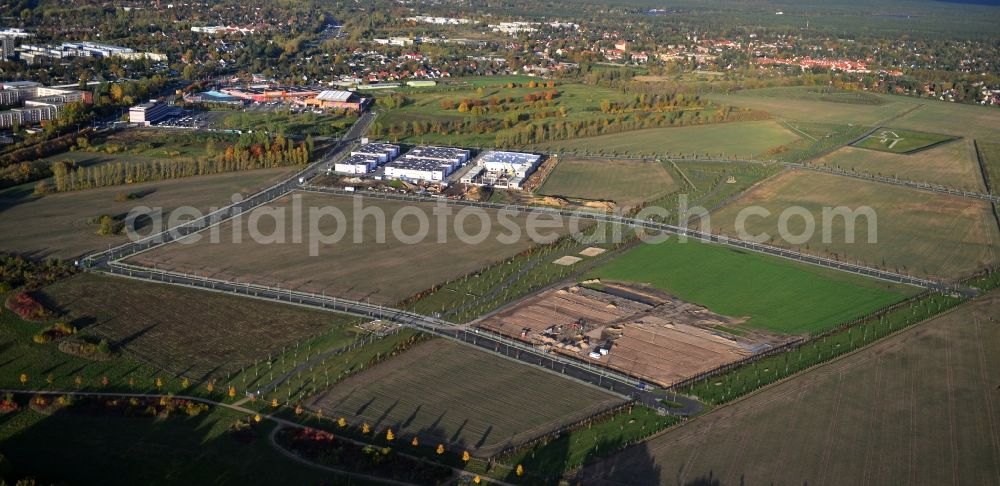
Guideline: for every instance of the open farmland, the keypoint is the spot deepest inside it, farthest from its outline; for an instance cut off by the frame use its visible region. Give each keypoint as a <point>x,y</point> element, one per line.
<point>56,225</point>
<point>956,119</point>
<point>809,103</point>
<point>447,392</point>
<point>770,293</point>
<point>363,268</point>
<point>918,232</point>
<point>896,141</point>
<point>916,408</point>
<point>626,182</point>
<point>185,331</point>
<point>952,164</point>
<point>989,153</point>
<point>736,139</point>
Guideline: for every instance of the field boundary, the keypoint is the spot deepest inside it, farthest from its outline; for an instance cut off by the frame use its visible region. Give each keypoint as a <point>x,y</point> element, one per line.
<point>797,343</point>
<point>986,181</point>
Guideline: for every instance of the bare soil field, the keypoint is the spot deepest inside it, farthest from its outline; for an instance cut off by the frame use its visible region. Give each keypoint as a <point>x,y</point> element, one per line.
<point>644,333</point>
<point>918,232</point>
<point>920,407</point>
<point>56,225</point>
<point>952,164</point>
<point>360,269</point>
<point>185,331</point>
<point>446,392</point>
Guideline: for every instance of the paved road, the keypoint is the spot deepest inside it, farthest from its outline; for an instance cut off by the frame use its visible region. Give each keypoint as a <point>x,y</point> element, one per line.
<point>602,377</point>
<point>672,230</point>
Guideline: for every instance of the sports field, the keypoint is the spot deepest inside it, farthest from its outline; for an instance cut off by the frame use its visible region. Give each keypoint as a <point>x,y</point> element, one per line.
<point>443,391</point>
<point>918,232</point>
<point>952,164</point>
<point>916,408</point>
<point>898,141</point>
<point>56,225</point>
<point>360,265</point>
<point>185,331</point>
<point>626,182</point>
<point>737,139</point>
<point>772,293</point>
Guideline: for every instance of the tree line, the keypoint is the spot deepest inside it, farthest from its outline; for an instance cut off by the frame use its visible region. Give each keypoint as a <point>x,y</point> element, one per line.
<point>513,133</point>
<point>237,157</point>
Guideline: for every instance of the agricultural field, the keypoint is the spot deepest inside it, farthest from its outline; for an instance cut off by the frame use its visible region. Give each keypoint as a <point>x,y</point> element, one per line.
<point>956,119</point>
<point>735,139</point>
<point>917,232</point>
<point>896,141</point>
<point>201,450</point>
<point>626,182</point>
<point>917,407</point>
<point>813,104</point>
<point>446,392</point>
<point>952,164</point>
<point>56,225</point>
<point>989,153</point>
<point>771,293</point>
<point>198,334</point>
<point>358,266</point>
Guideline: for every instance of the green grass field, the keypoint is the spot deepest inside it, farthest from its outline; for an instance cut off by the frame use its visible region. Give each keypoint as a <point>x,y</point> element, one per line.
<point>916,408</point>
<point>806,103</point>
<point>300,124</point>
<point>894,140</point>
<point>989,152</point>
<point>956,119</point>
<point>917,232</point>
<point>951,164</point>
<point>514,120</point>
<point>56,225</point>
<point>626,182</point>
<point>772,293</point>
<point>737,139</point>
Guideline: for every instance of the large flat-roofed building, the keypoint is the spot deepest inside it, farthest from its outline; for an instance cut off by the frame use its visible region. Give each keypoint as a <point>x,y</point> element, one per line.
<point>357,164</point>
<point>149,113</point>
<point>266,93</point>
<point>427,163</point>
<point>343,100</point>
<point>384,151</point>
<point>503,169</point>
<point>39,102</point>
<point>418,168</point>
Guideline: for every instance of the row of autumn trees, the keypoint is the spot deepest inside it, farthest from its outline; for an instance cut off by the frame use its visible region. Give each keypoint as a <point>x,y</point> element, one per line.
<point>256,151</point>
<point>529,131</point>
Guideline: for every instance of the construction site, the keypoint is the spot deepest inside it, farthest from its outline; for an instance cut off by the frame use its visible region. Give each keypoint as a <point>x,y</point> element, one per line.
<point>636,330</point>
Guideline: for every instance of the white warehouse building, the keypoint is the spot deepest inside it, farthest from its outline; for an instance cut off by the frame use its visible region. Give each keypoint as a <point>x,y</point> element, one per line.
<point>366,158</point>
<point>427,163</point>
<point>503,169</point>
